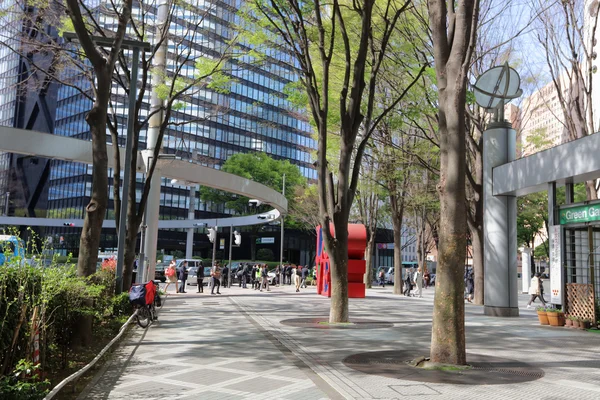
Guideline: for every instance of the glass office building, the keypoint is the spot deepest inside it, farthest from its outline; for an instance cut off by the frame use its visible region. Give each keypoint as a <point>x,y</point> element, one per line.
<point>253,115</point>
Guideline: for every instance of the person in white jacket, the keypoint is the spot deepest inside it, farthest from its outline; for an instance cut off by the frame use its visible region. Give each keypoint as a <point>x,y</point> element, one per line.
<point>418,279</point>
<point>535,290</point>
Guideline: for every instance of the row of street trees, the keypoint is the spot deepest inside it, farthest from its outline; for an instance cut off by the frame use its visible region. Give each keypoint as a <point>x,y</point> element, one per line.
<point>385,83</point>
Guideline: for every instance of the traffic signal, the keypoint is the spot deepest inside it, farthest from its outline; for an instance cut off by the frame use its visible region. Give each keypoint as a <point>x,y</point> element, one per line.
<point>212,234</point>
<point>68,224</point>
<point>237,238</point>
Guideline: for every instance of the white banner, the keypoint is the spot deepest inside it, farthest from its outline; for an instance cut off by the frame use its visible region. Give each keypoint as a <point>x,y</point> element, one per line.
<point>556,281</point>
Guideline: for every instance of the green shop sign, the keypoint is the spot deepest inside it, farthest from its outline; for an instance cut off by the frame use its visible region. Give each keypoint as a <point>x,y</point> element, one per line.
<point>587,213</point>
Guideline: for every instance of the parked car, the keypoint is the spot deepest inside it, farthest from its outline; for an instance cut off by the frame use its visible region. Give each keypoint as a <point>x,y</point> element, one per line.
<point>389,275</point>
<point>193,273</point>
<point>191,263</point>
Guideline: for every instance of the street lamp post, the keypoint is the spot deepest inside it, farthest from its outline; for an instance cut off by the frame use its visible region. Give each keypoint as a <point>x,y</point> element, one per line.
<point>229,264</point>
<point>135,46</point>
<point>214,254</point>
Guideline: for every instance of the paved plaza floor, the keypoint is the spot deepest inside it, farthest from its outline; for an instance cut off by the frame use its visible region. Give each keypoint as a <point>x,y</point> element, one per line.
<point>235,346</point>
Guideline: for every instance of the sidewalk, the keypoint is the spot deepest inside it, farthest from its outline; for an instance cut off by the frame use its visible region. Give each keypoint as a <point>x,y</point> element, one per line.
<point>234,346</point>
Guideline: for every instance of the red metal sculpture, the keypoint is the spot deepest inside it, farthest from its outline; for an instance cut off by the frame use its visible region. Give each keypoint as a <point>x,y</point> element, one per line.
<point>357,243</point>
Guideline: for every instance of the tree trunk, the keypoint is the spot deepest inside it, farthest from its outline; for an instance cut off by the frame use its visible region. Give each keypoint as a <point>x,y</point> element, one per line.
<point>133,224</point>
<point>448,330</point>
<point>397,219</point>
<point>134,219</point>
<point>590,187</point>
<point>96,208</point>
<point>338,265</point>
<point>397,257</point>
<point>478,271</point>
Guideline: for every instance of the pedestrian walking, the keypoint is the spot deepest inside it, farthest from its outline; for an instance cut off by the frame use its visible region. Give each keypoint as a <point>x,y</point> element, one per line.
<point>305,273</point>
<point>171,274</point>
<point>215,273</point>
<point>225,275</point>
<point>264,273</point>
<point>382,277</point>
<point>426,278</point>
<point>253,278</point>
<point>408,283</point>
<point>470,285</point>
<point>183,272</point>
<point>277,275</point>
<point>296,275</point>
<point>418,279</point>
<point>535,290</point>
<point>200,278</point>
<point>288,274</point>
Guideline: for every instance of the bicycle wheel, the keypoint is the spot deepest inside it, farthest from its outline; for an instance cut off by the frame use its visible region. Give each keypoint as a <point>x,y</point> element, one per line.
<point>143,317</point>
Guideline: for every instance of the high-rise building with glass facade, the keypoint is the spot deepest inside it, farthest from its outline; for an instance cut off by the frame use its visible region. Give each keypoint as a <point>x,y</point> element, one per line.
<point>254,114</point>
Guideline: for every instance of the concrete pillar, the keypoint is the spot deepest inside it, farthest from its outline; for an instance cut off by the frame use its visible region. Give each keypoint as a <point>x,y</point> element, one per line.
<point>499,226</point>
<point>526,270</point>
<point>152,210</point>
<point>152,142</point>
<point>189,243</point>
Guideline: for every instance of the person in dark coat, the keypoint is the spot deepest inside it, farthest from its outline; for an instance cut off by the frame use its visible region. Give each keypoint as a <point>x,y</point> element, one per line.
<point>305,272</point>
<point>408,283</point>
<point>225,275</point>
<point>183,273</point>
<point>200,278</point>
<point>244,277</point>
<point>288,274</point>
<point>253,277</point>
<point>470,284</point>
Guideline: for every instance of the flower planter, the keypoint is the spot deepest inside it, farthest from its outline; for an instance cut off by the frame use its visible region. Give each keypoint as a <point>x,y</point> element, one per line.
<point>585,324</point>
<point>569,322</point>
<point>555,318</point>
<point>543,318</point>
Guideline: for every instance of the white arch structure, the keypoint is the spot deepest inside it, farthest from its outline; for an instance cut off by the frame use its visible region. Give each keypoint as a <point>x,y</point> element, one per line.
<point>65,148</point>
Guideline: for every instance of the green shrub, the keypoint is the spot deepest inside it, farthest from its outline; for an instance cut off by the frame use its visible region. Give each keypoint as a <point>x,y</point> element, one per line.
<point>121,306</point>
<point>265,254</point>
<point>58,298</point>
<point>23,383</point>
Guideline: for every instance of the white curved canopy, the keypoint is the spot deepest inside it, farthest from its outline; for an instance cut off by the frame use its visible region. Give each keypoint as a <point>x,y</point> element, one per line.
<point>58,147</point>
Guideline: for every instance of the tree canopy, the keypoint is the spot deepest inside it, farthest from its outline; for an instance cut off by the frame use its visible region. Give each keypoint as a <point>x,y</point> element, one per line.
<point>261,168</point>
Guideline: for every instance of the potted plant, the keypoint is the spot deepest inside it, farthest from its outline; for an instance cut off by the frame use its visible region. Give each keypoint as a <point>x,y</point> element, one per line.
<point>555,317</point>
<point>568,321</point>
<point>585,324</point>
<point>541,312</point>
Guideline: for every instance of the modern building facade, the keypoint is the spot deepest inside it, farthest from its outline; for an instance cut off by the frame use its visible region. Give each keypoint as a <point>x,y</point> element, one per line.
<point>209,125</point>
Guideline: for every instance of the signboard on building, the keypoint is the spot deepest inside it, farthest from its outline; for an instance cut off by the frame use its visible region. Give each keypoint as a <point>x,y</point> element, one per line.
<point>222,243</point>
<point>580,214</point>
<point>265,240</point>
<point>385,246</point>
<point>556,281</point>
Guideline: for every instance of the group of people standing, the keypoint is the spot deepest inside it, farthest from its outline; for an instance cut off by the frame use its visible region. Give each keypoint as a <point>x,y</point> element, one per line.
<point>287,273</point>
<point>257,275</point>
<point>174,274</point>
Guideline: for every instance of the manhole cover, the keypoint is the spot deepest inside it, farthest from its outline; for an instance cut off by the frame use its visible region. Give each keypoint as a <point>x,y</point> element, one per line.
<point>486,370</point>
<point>323,323</point>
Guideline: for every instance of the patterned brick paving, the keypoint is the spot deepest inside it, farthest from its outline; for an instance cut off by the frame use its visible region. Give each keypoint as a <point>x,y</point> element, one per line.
<point>234,347</point>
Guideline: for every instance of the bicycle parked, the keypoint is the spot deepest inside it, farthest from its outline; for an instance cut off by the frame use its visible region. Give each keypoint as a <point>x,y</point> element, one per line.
<point>145,299</point>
